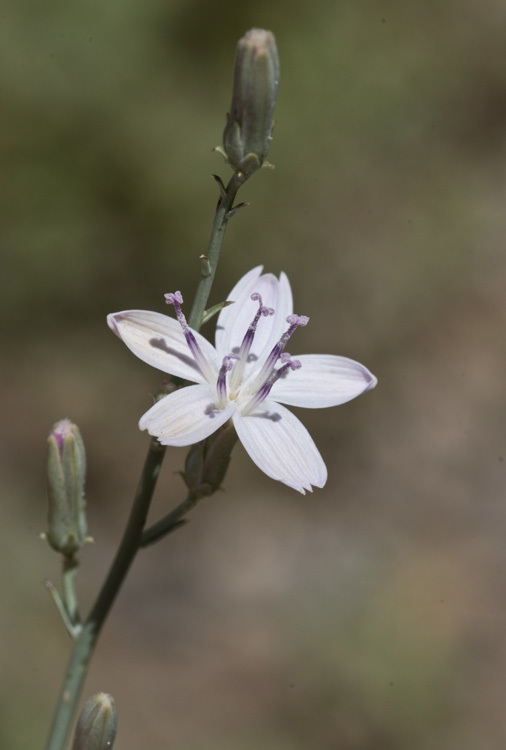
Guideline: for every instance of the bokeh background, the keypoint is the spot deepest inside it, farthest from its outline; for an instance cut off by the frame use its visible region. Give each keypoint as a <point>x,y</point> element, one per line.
<point>371,614</point>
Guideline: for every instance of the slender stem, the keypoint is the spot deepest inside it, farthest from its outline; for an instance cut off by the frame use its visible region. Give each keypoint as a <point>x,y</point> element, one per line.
<point>85,642</point>
<point>221,218</point>
<point>170,522</point>
<point>131,538</point>
<point>71,687</point>
<point>133,535</point>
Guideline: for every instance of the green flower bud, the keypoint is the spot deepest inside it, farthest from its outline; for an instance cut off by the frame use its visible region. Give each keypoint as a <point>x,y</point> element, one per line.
<point>207,462</point>
<point>247,134</point>
<point>66,473</point>
<point>97,725</point>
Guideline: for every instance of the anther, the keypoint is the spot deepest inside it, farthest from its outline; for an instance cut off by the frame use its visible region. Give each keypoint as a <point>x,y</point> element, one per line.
<point>172,297</point>
<point>221,385</point>
<point>294,321</point>
<point>263,392</point>
<point>176,299</point>
<point>247,341</point>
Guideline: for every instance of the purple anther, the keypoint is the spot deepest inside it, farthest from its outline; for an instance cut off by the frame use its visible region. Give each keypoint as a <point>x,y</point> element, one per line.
<point>250,333</point>
<point>294,321</point>
<point>249,336</point>
<point>221,385</point>
<point>265,389</point>
<point>288,364</point>
<point>295,364</point>
<point>297,320</point>
<point>176,299</point>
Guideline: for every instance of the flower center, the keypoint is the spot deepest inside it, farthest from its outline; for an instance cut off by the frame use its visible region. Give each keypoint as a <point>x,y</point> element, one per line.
<point>265,389</point>
<point>245,348</point>
<point>260,386</point>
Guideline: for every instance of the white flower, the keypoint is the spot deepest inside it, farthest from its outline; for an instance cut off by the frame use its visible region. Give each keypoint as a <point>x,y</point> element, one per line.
<point>245,377</point>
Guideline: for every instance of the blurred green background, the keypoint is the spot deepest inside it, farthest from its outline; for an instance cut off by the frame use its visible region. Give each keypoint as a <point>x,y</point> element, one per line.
<point>371,614</point>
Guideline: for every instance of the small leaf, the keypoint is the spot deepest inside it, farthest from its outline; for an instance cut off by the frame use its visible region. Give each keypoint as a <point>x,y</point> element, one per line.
<point>212,311</point>
<point>235,209</point>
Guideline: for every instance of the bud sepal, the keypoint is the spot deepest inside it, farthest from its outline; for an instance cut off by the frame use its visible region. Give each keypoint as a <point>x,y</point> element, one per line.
<point>248,132</point>
<point>207,462</point>
<point>97,725</point>
<point>66,475</point>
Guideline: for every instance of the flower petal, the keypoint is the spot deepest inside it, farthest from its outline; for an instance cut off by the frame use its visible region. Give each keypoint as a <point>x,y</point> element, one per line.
<point>234,321</point>
<point>159,341</point>
<point>227,317</point>
<point>281,446</point>
<point>185,416</point>
<point>323,380</point>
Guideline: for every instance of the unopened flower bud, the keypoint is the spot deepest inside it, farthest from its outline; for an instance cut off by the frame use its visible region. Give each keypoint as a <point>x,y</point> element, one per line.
<point>66,473</point>
<point>247,134</point>
<point>97,725</point>
<point>207,462</point>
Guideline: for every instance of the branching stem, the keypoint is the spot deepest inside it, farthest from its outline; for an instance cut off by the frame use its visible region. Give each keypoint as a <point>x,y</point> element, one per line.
<point>134,536</point>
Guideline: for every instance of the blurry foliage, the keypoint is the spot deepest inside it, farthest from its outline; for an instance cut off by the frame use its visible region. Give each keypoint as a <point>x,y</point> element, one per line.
<point>385,209</point>
<point>111,110</point>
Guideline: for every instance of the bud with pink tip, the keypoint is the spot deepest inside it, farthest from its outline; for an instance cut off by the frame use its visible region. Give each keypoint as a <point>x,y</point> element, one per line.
<point>66,473</point>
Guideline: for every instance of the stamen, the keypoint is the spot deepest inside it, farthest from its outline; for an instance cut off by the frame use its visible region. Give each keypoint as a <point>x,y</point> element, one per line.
<point>221,385</point>
<point>176,299</point>
<point>294,321</point>
<point>263,392</point>
<point>247,341</point>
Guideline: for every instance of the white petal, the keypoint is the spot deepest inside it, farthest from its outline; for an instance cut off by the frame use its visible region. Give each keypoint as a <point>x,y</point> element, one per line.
<point>242,287</point>
<point>323,380</point>
<point>185,416</point>
<point>159,341</point>
<point>235,320</point>
<point>281,446</point>
<point>227,317</point>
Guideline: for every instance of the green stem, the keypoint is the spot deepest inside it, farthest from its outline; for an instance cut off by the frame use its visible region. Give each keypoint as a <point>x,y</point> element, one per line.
<point>133,536</point>
<point>170,522</point>
<point>221,218</point>
<point>85,642</point>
